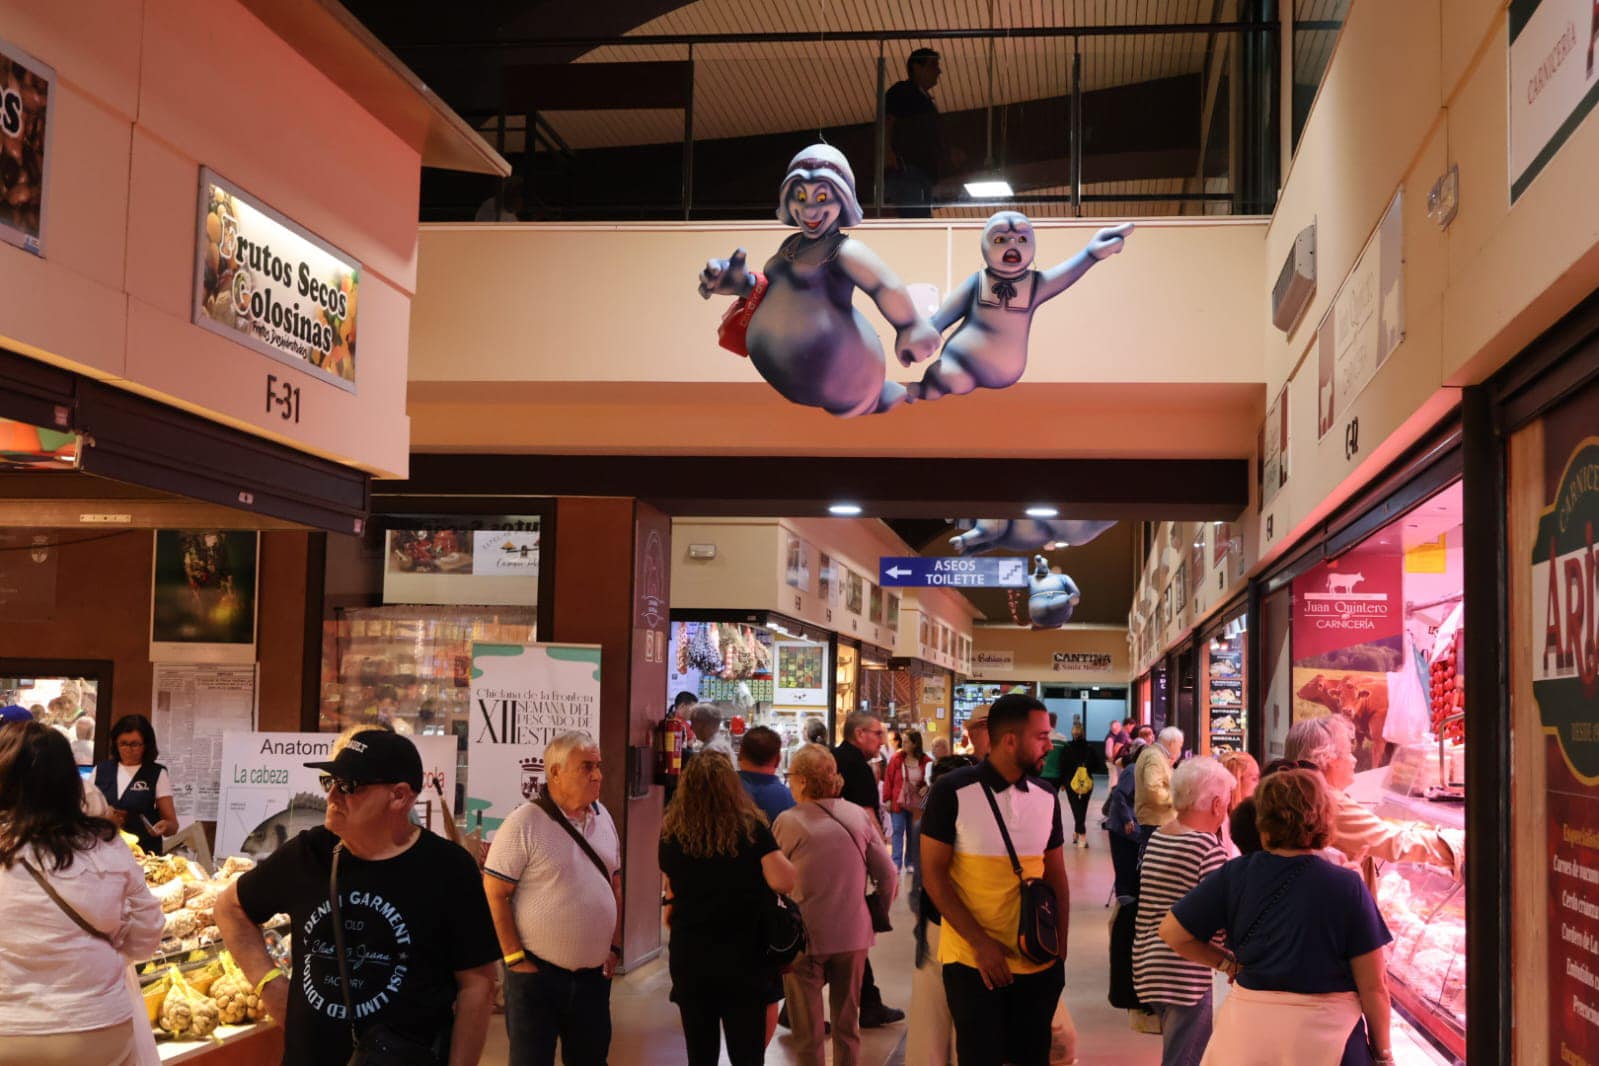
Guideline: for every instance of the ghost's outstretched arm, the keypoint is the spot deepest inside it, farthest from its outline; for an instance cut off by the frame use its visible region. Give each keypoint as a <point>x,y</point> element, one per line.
<point>955,305</point>
<point>1057,279</point>
<point>726,277</point>
<point>915,339</point>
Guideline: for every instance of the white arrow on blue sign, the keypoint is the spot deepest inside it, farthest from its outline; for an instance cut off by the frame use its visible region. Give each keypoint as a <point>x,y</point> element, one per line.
<point>916,571</point>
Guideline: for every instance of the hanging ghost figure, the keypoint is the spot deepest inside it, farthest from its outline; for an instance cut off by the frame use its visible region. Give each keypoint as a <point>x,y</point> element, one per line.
<point>1024,534</point>
<point>803,333</point>
<point>1051,597</point>
<point>989,349</point>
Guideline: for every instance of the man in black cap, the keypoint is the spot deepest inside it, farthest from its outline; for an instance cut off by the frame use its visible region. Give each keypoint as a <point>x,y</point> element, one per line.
<point>418,941</point>
<point>914,150</point>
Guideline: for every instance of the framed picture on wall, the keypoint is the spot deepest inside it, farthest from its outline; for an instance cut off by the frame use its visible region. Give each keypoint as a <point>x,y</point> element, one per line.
<point>798,571</point>
<point>825,585</point>
<point>854,592</point>
<point>203,595</point>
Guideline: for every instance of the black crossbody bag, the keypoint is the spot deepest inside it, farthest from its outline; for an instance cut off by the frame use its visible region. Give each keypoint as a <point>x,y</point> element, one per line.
<point>1038,930</point>
<point>378,1044</point>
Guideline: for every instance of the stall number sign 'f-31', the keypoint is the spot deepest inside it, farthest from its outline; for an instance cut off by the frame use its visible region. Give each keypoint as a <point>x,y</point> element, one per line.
<point>971,573</point>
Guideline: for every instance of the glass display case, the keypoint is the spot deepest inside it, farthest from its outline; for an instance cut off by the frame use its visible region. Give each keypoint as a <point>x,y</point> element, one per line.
<point>1424,906</point>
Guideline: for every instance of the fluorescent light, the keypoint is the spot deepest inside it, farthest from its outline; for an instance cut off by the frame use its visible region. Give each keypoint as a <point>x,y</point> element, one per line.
<point>844,509</point>
<point>986,188</point>
<point>1043,511</point>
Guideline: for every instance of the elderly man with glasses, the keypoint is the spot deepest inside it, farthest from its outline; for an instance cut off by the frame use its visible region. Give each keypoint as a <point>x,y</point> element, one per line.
<point>864,737</point>
<point>408,951</point>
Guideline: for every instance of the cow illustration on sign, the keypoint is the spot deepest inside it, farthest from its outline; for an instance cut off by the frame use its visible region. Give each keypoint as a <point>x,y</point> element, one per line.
<point>1051,597</point>
<point>1023,534</point>
<point>796,320</point>
<point>995,307</point>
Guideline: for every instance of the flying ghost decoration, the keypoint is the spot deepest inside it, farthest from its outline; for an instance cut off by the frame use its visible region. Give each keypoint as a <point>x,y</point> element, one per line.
<point>796,318</point>
<point>1051,597</point>
<point>995,307</point>
<point>1023,534</point>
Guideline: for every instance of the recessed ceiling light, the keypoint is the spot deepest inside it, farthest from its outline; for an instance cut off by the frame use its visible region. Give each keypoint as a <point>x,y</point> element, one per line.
<point>1042,511</point>
<point>844,509</point>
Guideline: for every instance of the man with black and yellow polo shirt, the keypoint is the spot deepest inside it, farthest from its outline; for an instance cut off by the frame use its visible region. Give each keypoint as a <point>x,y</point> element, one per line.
<point>1001,1003</point>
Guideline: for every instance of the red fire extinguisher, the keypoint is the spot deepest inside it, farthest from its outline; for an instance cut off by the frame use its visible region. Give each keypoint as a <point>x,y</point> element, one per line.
<point>671,740</point>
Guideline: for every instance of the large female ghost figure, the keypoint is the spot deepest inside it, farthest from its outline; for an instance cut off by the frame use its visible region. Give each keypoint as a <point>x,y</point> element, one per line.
<point>805,337</point>
<point>1051,597</point>
<point>995,307</point>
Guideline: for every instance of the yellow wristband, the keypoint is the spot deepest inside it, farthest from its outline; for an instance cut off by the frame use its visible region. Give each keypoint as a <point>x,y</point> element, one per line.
<point>513,959</point>
<point>266,979</point>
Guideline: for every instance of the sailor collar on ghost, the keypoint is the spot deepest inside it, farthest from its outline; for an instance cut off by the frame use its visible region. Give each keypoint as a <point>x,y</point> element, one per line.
<point>1013,294</point>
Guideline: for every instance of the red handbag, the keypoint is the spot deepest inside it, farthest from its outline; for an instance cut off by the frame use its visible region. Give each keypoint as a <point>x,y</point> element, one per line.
<point>733,333</point>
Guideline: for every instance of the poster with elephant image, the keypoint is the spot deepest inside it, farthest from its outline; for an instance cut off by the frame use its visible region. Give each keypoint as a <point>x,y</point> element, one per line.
<point>267,794</point>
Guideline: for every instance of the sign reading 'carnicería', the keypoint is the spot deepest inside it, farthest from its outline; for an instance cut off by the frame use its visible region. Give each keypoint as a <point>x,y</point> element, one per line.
<point>1565,601</point>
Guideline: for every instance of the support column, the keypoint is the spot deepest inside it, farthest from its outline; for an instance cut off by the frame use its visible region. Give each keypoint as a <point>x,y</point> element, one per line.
<point>612,567</point>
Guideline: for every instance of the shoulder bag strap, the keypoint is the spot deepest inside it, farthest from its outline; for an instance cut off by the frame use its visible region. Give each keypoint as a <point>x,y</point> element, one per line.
<point>338,942</point>
<point>993,805</point>
<point>858,845</point>
<point>1282,886</point>
<point>548,806</point>
<point>66,908</point>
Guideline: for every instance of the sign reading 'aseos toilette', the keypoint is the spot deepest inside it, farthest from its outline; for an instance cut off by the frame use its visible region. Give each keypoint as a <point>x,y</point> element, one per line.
<point>269,284</point>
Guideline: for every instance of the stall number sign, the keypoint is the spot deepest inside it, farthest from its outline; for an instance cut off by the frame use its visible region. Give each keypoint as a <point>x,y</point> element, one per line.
<point>266,283</point>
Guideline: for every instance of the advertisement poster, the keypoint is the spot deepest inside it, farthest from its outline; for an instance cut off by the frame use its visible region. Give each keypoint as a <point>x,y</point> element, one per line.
<point>523,696</point>
<point>1348,636</point>
<point>493,561</point>
<point>1564,662</point>
<point>1365,322</point>
<point>801,674</point>
<point>1553,83</point>
<point>1274,450</point>
<point>203,600</point>
<point>271,285</point>
<point>25,118</point>
<point>826,584</point>
<point>797,572</point>
<point>268,795</point>
<point>193,706</point>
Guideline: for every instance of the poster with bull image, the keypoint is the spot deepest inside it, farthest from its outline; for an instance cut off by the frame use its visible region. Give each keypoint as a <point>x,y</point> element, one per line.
<point>524,696</point>
<point>268,795</point>
<point>1348,636</point>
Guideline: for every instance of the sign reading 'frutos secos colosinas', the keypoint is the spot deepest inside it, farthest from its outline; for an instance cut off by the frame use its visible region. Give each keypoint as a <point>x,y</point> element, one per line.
<point>271,285</point>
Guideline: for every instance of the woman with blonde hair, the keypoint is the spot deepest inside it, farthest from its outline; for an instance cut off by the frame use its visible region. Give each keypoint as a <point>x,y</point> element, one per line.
<point>719,865</point>
<point>1246,772</point>
<point>836,850</point>
<point>1304,941</point>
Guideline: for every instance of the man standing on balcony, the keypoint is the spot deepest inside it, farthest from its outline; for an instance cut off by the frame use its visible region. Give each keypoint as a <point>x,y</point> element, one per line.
<point>913,152</point>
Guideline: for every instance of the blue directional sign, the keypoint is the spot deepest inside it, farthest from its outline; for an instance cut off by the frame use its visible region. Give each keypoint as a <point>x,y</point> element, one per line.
<point>916,571</point>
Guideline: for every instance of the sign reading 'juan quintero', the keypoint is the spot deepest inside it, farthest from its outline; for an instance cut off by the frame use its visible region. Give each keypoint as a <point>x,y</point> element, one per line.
<point>273,286</point>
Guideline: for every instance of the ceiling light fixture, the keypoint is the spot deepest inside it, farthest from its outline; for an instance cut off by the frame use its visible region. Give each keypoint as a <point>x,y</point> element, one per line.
<point>989,188</point>
<point>1042,511</point>
<point>846,510</point>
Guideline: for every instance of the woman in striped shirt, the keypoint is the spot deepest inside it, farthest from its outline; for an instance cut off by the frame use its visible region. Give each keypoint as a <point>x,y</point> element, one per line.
<point>1180,855</point>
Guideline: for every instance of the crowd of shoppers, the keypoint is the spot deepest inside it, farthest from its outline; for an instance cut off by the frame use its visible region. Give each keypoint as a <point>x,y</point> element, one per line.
<point>1290,919</point>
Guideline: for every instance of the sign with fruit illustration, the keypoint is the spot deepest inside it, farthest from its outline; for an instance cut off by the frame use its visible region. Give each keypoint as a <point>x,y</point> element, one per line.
<point>273,286</point>
<point>24,135</point>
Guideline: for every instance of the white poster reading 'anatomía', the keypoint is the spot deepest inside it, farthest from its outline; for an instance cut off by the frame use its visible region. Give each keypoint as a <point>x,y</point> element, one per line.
<point>524,696</point>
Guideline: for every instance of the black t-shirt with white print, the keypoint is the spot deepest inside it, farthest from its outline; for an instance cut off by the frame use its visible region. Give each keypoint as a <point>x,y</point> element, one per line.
<point>410,923</point>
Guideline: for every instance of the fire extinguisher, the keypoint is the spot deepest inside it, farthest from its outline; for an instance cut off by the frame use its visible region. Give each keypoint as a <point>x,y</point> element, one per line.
<point>671,740</point>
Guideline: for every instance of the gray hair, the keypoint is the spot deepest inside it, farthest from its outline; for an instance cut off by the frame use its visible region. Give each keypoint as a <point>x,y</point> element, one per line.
<point>856,721</point>
<point>1169,736</point>
<point>816,731</point>
<point>1315,740</point>
<point>1198,781</point>
<point>704,712</point>
<point>557,751</point>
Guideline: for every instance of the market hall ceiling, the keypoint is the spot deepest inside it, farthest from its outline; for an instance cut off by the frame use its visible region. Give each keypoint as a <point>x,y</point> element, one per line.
<point>1143,93</point>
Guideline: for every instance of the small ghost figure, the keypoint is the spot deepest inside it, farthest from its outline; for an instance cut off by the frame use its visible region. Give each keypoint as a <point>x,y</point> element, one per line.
<point>1024,534</point>
<point>805,336</point>
<point>1051,597</point>
<point>989,349</point>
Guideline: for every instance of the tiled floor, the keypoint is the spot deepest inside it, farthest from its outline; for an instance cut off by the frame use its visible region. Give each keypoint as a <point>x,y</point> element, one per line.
<point>647,1031</point>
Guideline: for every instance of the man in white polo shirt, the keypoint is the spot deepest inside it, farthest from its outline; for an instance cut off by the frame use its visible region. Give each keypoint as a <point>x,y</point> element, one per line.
<point>557,910</point>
